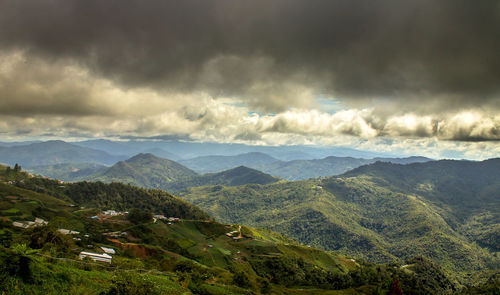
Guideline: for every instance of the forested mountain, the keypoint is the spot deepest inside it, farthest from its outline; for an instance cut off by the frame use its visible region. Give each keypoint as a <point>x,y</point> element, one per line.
<point>232,177</point>
<point>208,164</point>
<point>189,256</point>
<point>149,171</point>
<point>145,170</point>
<point>53,152</point>
<point>445,210</point>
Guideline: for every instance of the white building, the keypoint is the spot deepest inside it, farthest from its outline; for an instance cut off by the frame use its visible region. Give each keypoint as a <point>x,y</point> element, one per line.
<point>108,250</point>
<point>68,232</point>
<point>96,257</point>
<point>26,224</point>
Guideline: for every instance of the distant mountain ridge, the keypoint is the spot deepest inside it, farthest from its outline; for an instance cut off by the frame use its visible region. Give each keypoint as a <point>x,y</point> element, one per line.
<point>210,164</point>
<point>289,170</point>
<point>149,171</point>
<point>68,171</point>
<point>54,152</point>
<point>190,149</point>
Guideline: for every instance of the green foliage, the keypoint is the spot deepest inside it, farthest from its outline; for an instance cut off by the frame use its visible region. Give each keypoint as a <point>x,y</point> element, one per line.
<point>12,174</point>
<point>139,216</point>
<point>49,238</point>
<point>127,284</point>
<point>16,262</point>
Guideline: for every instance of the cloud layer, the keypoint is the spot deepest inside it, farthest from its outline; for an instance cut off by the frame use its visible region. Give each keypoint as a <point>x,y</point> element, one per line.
<point>225,70</point>
<point>281,49</point>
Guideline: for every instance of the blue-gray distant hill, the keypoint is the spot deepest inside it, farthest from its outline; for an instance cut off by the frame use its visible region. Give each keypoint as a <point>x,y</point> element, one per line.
<point>54,152</point>
<point>208,164</point>
<point>289,170</point>
<point>68,171</point>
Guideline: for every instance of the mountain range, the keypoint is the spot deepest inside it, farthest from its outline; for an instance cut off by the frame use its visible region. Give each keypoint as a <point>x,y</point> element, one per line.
<point>149,171</point>
<point>190,149</point>
<point>448,211</point>
<point>289,170</point>
<point>398,214</point>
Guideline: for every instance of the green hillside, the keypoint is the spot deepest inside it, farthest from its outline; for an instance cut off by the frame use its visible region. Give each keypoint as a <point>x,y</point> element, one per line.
<point>188,256</point>
<point>445,210</point>
<point>149,171</point>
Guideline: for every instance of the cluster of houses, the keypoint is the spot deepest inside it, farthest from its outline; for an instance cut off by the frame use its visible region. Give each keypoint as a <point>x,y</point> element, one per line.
<point>105,256</point>
<point>170,220</point>
<point>115,234</point>
<point>235,234</point>
<point>28,224</point>
<point>110,213</point>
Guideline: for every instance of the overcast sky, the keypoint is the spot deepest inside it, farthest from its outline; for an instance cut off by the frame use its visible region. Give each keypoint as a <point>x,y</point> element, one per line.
<point>420,76</point>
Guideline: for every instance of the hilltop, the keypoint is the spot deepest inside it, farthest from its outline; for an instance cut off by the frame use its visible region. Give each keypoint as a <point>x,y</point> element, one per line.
<point>232,177</point>
<point>145,170</point>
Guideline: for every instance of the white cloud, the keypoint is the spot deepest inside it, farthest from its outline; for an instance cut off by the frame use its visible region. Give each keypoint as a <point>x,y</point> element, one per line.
<point>60,99</point>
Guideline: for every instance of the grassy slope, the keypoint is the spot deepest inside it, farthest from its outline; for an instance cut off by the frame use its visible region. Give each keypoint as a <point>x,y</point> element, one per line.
<point>160,247</point>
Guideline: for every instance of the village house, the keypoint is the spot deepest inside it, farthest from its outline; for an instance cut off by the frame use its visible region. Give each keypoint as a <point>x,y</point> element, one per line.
<point>110,213</point>
<point>27,224</point>
<point>108,250</point>
<point>68,232</point>
<point>96,257</point>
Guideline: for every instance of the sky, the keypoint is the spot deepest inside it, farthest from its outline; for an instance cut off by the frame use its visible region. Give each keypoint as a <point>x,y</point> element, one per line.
<point>421,77</point>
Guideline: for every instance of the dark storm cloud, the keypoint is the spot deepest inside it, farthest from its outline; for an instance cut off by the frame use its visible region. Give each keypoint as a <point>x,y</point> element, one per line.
<point>352,49</point>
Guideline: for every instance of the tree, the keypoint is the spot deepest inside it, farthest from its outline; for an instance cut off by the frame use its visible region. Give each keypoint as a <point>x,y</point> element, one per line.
<point>139,216</point>
<point>8,170</point>
<point>17,168</point>
<point>240,279</point>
